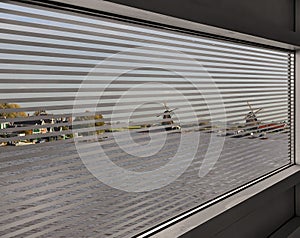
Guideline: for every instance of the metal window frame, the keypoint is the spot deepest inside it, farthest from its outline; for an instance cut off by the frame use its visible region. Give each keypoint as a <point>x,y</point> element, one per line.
<point>131,14</point>
<point>297,110</point>
<point>264,190</point>
<point>181,225</point>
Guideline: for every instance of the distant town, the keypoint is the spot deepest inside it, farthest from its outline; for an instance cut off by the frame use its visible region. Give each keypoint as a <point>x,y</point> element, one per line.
<point>19,128</point>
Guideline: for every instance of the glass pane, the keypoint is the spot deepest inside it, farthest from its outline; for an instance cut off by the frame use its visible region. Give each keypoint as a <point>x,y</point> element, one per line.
<point>111,128</point>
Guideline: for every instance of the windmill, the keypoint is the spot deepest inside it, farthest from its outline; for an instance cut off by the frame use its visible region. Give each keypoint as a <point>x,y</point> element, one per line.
<point>251,118</point>
<point>167,118</point>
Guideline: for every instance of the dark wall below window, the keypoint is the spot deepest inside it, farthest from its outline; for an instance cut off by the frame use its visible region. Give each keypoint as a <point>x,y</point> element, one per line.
<point>258,221</point>
<point>260,216</point>
<point>273,19</point>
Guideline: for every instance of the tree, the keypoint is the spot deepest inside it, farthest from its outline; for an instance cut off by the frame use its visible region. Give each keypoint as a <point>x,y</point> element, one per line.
<point>99,123</point>
<point>40,113</point>
<point>11,114</point>
<point>88,123</point>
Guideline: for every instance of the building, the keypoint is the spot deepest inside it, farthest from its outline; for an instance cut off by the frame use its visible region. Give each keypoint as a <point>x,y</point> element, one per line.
<point>239,50</point>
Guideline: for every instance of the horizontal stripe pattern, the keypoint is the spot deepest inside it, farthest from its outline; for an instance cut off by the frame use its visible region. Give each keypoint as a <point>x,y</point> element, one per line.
<point>74,87</point>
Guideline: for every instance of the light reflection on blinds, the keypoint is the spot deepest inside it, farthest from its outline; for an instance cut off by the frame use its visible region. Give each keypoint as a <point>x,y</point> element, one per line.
<point>56,89</point>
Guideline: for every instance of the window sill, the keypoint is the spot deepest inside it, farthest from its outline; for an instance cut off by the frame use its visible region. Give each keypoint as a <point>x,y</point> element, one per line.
<point>255,194</point>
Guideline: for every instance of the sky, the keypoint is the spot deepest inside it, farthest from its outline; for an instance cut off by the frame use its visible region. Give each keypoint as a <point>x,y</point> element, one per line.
<point>178,69</point>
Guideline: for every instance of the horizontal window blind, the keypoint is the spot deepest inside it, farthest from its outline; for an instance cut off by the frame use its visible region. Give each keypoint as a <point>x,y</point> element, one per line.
<point>110,128</point>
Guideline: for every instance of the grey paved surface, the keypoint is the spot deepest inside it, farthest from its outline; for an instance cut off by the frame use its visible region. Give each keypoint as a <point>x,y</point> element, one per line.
<point>48,192</point>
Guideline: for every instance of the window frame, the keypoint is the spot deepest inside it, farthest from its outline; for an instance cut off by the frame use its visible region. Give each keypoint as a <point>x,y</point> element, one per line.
<point>180,225</point>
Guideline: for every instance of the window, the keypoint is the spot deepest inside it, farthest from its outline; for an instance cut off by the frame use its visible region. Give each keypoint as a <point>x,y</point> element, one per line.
<point>110,128</point>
